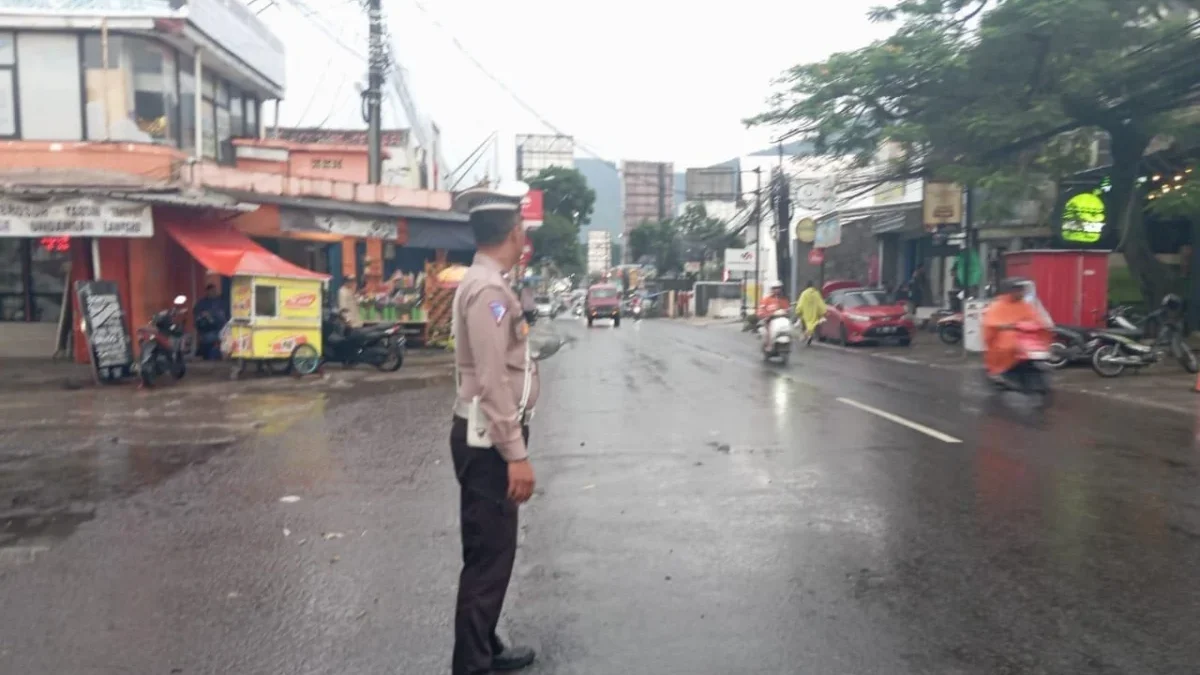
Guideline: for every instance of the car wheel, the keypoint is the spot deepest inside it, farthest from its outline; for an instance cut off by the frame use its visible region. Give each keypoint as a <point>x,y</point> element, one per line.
<point>589,322</point>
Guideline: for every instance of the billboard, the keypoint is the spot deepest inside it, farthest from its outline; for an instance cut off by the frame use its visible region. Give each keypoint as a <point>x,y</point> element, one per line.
<point>536,152</point>
<point>717,183</point>
<point>943,205</point>
<point>532,209</point>
<point>739,260</point>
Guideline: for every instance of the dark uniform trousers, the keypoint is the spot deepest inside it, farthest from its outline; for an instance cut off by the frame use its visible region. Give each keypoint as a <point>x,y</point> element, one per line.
<point>489,541</point>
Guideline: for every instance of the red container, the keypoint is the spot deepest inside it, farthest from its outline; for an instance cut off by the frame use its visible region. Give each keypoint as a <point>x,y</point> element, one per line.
<point>1072,285</point>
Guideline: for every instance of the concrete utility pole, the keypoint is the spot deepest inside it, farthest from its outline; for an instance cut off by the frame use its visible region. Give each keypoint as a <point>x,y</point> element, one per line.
<point>757,236</point>
<point>377,60</point>
<point>662,192</point>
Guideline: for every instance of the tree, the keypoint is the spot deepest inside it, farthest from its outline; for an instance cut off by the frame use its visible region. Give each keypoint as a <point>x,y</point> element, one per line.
<point>703,236</point>
<point>1006,91</point>
<point>660,242</point>
<point>556,243</point>
<point>566,193</point>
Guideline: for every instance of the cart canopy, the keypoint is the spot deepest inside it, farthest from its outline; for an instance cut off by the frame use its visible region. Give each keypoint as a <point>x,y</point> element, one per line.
<point>224,250</point>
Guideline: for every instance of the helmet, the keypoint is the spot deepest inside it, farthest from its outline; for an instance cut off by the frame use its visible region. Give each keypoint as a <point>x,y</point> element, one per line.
<point>1010,284</point>
<point>1172,301</point>
<point>776,284</point>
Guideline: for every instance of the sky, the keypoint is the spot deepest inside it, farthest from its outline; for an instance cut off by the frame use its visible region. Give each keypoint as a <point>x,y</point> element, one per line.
<point>660,80</point>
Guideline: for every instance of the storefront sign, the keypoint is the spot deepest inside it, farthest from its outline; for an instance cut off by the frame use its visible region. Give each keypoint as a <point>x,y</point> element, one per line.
<point>1083,218</point>
<point>828,233</point>
<point>943,205</point>
<point>806,230</point>
<point>815,194</point>
<point>104,327</point>
<point>299,220</point>
<point>533,209</point>
<point>816,256</point>
<point>75,217</point>
<point>739,259</point>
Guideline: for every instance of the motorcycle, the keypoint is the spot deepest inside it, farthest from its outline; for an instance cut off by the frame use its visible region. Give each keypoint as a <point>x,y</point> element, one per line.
<point>1030,374</point>
<point>950,328</point>
<point>1078,345</point>
<point>1117,351</point>
<point>778,343</point>
<point>381,346</point>
<point>161,344</point>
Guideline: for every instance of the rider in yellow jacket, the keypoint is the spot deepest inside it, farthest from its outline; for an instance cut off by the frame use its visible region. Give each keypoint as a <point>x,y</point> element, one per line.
<point>810,308</point>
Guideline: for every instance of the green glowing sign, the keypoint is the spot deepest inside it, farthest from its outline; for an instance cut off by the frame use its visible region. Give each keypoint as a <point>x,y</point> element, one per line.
<point>1083,218</point>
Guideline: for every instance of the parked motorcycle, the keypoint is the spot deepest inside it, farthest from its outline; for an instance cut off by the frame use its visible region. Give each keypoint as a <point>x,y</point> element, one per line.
<point>161,344</point>
<point>778,343</point>
<point>1030,376</point>
<point>950,328</point>
<point>1116,352</point>
<point>1078,345</point>
<point>381,345</point>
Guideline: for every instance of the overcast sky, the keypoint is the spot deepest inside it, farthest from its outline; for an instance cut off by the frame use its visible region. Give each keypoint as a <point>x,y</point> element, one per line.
<point>664,80</point>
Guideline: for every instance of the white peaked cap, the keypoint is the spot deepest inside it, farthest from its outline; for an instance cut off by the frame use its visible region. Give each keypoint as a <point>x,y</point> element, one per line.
<point>506,196</point>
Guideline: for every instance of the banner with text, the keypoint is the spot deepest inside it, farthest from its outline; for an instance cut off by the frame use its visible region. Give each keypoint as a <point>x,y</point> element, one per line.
<point>75,217</point>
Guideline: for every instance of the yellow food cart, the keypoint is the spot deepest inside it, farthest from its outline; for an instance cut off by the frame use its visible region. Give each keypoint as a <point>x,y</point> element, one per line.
<point>276,320</point>
<point>275,306</point>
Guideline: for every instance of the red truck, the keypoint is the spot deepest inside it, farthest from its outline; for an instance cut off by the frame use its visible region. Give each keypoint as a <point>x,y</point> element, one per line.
<point>603,302</point>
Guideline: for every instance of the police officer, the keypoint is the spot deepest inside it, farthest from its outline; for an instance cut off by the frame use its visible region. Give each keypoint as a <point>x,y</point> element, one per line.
<point>497,389</point>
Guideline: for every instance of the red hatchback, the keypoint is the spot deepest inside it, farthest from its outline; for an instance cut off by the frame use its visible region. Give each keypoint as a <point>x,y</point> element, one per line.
<point>857,315</point>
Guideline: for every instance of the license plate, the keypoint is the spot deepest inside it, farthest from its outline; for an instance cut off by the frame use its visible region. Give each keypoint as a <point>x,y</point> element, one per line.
<point>887,330</point>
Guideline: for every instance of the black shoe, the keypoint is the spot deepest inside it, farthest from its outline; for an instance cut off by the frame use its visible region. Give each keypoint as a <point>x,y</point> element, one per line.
<point>513,658</point>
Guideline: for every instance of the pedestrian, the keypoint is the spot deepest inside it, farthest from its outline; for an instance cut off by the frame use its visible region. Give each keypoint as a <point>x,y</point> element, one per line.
<point>211,317</point>
<point>916,287</point>
<point>348,302</point>
<point>810,307</point>
<point>497,390</point>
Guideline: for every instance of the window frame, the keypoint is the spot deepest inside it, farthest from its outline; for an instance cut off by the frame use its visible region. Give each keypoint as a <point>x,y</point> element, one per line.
<point>28,295</point>
<point>14,68</point>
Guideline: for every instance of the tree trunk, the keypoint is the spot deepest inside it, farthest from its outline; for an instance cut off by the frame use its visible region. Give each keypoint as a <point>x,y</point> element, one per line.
<point>1125,211</point>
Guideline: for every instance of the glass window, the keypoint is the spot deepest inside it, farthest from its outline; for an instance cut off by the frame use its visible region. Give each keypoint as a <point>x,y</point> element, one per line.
<point>48,78</point>
<point>155,93</point>
<point>264,300</point>
<point>865,299</point>
<point>8,54</point>
<point>222,93</point>
<point>12,279</point>
<point>208,128</point>
<point>50,265</point>
<point>187,104</point>
<point>251,117</point>
<point>236,114</point>
<point>133,100</point>
<point>224,147</point>
<point>8,103</point>
<point>208,86</point>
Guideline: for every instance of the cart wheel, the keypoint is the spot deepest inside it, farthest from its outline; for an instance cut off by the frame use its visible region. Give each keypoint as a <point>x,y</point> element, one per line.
<point>305,359</point>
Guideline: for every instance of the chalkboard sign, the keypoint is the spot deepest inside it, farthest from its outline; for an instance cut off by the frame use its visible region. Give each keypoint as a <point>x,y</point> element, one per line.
<point>104,326</point>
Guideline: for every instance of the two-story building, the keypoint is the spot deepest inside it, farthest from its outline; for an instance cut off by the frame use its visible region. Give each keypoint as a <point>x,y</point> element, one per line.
<point>121,121</point>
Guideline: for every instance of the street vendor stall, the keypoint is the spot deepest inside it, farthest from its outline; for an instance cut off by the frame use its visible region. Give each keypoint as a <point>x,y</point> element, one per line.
<point>275,306</point>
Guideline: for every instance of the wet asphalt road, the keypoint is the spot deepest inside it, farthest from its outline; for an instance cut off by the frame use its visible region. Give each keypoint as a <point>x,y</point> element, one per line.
<point>698,511</point>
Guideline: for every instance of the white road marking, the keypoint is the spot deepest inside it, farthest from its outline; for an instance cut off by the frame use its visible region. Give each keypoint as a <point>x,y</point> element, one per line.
<point>934,433</point>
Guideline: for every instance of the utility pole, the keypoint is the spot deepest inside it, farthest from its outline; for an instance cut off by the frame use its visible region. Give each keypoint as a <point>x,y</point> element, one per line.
<point>376,64</point>
<point>757,236</point>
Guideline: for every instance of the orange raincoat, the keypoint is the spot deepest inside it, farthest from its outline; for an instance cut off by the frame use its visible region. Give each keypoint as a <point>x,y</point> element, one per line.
<point>1001,345</point>
<point>770,305</point>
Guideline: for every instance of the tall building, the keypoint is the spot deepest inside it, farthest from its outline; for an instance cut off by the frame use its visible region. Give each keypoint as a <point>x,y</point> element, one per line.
<point>604,179</point>
<point>536,152</point>
<point>599,251</point>
<point>648,192</point>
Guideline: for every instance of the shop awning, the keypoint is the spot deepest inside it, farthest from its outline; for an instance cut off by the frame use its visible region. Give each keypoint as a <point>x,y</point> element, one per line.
<point>224,250</point>
<point>432,234</point>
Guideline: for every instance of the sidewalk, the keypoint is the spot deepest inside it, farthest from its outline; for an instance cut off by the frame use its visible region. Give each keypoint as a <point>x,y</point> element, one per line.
<point>1166,385</point>
<point>25,375</point>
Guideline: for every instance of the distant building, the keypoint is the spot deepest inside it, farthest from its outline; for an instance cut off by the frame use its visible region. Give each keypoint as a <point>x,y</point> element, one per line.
<point>401,163</point>
<point>648,192</point>
<point>604,179</point>
<point>536,152</point>
<point>599,251</point>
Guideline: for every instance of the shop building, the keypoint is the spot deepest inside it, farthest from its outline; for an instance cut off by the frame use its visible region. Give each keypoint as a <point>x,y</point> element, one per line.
<point>116,130</point>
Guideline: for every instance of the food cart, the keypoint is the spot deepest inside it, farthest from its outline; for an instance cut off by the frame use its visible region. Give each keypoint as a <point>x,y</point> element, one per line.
<point>277,321</point>
<point>275,306</point>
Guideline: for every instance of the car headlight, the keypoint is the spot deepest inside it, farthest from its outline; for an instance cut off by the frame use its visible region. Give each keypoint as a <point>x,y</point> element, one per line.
<point>858,317</point>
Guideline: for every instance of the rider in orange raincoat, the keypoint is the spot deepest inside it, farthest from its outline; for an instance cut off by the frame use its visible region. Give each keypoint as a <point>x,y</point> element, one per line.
<point>1004,312</point>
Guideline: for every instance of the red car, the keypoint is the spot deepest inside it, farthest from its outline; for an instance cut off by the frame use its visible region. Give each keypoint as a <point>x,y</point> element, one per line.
<point>856,315</point>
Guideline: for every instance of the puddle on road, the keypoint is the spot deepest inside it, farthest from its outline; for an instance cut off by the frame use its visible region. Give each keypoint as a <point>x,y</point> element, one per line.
<point>23,536</point>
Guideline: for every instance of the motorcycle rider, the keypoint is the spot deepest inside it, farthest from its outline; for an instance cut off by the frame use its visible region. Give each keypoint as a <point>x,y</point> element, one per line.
<point>776,301</point>
<point>810,308</point>
<point>1001,316</point>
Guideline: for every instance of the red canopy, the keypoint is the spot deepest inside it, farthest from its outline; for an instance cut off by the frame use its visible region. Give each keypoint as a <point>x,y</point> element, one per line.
<point>228,252</point>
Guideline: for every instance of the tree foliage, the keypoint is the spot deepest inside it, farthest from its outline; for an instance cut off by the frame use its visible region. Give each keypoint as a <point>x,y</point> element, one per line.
<point>556,243</point>
<point>1006,91</point>
<point>566,193</point>
<point>694,236</point>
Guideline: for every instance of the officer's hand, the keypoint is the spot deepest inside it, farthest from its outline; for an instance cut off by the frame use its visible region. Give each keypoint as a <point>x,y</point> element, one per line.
<point>520,481</point>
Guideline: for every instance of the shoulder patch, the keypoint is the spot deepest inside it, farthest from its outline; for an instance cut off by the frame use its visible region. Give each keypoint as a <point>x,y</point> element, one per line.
<point>498,310</point>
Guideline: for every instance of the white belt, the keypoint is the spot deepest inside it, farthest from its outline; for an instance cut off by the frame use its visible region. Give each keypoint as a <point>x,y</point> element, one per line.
<point>463,409</point>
